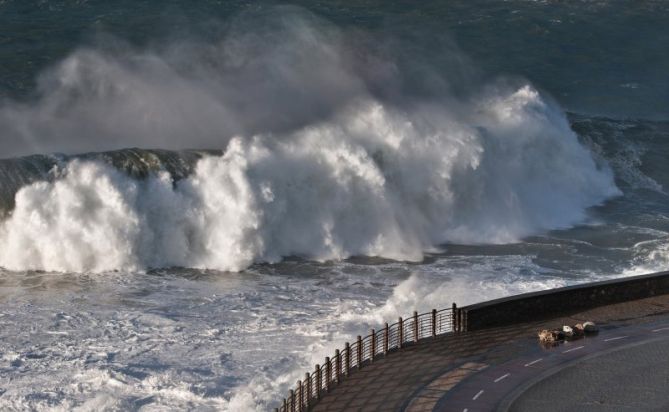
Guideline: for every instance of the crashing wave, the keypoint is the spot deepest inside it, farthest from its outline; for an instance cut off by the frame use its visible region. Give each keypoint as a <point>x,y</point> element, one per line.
<point>372,180</point>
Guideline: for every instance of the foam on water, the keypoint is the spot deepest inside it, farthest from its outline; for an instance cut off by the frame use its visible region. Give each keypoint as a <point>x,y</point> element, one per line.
<point>199,341</point>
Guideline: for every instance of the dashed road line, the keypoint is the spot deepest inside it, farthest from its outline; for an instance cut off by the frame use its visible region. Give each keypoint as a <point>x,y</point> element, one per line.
<point>502,377</point>
<point>660,330</point>
<point>533,362</point>
<point>573,349</point>
<point>616,338</point>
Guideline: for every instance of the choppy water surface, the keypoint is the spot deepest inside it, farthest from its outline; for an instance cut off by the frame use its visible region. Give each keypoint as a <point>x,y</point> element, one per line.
<point>199,202</point>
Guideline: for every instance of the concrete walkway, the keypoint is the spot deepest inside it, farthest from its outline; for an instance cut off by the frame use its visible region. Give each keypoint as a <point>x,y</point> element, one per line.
<point>428,376</point>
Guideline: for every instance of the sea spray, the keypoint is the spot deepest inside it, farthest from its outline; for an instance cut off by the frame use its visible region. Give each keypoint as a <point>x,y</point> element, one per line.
<point>372,180</point>
<point>270,71</point>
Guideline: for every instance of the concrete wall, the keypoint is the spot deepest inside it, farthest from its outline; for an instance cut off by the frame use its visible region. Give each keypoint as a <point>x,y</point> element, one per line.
<point>563,301</point>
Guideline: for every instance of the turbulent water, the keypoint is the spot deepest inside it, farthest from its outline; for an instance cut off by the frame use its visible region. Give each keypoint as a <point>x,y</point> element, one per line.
<point>198,202</point>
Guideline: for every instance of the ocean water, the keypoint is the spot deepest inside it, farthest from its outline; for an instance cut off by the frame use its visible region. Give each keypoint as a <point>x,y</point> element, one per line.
<point>198,202</point>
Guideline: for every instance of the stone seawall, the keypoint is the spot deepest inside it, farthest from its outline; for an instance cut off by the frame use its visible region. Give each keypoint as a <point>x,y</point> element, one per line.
<point>562,301</point>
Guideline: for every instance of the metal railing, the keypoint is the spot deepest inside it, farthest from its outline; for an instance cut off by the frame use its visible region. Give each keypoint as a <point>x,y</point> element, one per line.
<point>363,351</point>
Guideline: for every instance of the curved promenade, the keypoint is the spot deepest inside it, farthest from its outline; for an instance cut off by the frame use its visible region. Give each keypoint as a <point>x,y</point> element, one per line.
<point>489,356</point>
<point>475,371</point>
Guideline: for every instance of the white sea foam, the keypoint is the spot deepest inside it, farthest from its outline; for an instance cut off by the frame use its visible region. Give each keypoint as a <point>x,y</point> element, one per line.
<point>372,180</point>
<point>169,341</point>
<point>650,256</point>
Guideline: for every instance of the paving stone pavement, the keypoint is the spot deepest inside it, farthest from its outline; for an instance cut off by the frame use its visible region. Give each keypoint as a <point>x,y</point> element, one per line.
<point>416,377</point>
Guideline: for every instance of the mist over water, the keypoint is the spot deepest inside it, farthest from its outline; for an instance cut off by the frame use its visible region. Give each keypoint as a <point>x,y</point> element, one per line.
<point>266,74</point>
<point>191,223</point>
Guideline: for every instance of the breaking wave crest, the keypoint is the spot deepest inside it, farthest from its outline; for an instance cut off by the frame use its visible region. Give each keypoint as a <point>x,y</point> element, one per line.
<point>372,180</point>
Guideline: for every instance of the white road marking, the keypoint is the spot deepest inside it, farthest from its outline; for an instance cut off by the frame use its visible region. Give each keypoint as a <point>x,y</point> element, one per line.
<point>477,395</point>
<point>573,349</point>
<point>661,329</point>
<point>502,377</point>
<point>533,362</point>
<point>616,338</point>
<point>465,410</point>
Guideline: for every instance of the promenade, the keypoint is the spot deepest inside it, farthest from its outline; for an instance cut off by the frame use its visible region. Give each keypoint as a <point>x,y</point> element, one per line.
<point>505,368</point>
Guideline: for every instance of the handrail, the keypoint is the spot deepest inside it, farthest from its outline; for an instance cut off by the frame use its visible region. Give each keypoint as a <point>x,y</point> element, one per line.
<point>363,351</point>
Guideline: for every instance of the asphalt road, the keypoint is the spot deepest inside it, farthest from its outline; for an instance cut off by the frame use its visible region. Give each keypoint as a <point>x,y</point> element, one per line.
<point>632,378</point>
<point>624,369</point>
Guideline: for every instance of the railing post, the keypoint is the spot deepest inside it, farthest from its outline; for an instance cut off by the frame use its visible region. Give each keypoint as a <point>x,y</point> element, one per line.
<point>359,351</point>
<point>460,320</point>
<point>347,358</point>
<point>292,400</point>
<point>454,317</point>
<point>300,396</point>
<point>465,320</point>
<point>400,339</point>
<point>385,339</point>
<point>307,400</point>
<point>372,347</point>
<point>338,364</point>
<point>328,373</point>
<point>415,326</point>
<point>319,381</point>
<point>434,323</point>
